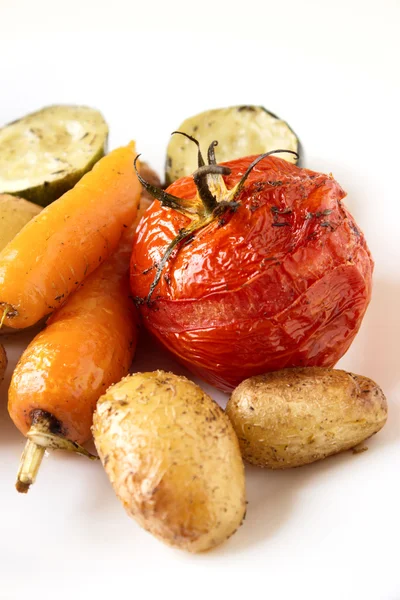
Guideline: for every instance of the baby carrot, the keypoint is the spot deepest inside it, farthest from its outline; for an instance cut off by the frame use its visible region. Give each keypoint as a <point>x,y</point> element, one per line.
<point>57,249</point>
<point>87,345</point>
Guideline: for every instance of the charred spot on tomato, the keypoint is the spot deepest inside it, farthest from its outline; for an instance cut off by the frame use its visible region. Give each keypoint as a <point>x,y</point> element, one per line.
<point>354,228</point>
<point>138,301</point>
<point>281,211</point>
<point>327,224</point>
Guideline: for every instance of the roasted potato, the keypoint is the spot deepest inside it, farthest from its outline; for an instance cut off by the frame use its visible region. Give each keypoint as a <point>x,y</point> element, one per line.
<point>293,417</point>
<point>173,459</point>
<point>14,214</point>
<point>3,362</point>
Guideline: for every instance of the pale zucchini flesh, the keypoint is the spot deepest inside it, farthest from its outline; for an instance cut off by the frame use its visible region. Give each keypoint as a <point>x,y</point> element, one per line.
<point>46,152</point>
<point>240,131</point>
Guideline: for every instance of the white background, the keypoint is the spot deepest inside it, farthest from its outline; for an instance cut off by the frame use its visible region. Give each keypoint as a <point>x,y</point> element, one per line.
<point>331,69</point>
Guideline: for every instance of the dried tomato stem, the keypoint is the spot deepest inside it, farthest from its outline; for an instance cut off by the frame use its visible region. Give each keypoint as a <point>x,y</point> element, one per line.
<point>211,154</point>
<point>211,191</point>
<point>201,180</point>
<point>183,233</point>
<point>200,159</point>
<point>253,164</point>
<point>159,194</point>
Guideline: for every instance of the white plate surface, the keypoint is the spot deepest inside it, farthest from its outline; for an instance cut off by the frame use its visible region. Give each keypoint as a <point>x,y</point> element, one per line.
<point>326,531</point>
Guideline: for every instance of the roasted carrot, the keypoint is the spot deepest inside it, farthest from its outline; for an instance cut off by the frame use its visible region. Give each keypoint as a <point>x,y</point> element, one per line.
<point>57,249</point>
<point>87,345</point>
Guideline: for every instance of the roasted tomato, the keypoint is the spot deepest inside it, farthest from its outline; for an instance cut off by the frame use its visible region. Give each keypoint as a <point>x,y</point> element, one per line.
<point>251,266</point>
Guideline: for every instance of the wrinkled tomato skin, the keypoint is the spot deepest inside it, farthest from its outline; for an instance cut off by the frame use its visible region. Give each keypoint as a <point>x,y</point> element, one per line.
<point>282,282</point>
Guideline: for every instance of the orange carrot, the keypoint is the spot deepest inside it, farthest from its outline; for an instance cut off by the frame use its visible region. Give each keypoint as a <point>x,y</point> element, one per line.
<point>87,345</point>
<point>68,240</point>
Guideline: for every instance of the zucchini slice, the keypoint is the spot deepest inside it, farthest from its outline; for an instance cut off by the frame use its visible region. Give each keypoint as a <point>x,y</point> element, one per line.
<point>45,153</point>
<point>240,131</point>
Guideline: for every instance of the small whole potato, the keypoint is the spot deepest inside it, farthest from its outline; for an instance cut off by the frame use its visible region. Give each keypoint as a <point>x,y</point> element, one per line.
<point>293,417</point>
<point>173,459</point>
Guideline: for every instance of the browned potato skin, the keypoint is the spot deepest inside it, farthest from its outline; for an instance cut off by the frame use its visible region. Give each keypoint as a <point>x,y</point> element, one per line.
<point>173,459</point>
<point>14,214</point>
<point>293,417</point>
<point>3,362</point>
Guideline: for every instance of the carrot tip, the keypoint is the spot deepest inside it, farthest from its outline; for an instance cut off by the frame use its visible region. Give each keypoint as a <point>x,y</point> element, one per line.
<point>22,487</point>
<point>28,469</point>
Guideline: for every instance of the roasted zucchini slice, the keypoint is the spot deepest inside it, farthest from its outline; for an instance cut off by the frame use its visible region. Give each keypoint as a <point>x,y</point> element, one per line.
<point>240,131</point>
<point>45,153</point>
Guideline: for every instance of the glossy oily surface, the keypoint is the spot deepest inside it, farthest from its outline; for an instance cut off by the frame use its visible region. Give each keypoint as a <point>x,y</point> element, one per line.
<point>87,345</point>
<point>283,281</point>
<point>68,240</point>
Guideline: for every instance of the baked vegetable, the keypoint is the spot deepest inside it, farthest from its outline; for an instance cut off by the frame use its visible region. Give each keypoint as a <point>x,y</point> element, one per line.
<point>45,153</point>
<point>88,344</point>
<point>14,214</point>
<point>294,417</point>
<point>251,266</point>
<point>173,459</point>
<point>68,240</point>
<point>240,130</point>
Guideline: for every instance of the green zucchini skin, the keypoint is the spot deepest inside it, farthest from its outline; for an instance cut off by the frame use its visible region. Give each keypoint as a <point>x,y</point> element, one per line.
<point>240,131</point>
<point>50,150</point>
<point>49,191</point>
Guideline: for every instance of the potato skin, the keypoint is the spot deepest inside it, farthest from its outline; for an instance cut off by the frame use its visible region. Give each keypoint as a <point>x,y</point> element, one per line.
<point>173,459</point>
<point>293,417</point>
<point>14,214</point>
<point>3,362</point>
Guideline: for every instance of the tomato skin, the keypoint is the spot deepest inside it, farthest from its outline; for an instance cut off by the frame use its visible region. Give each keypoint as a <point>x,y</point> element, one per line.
<point>282,282</point>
